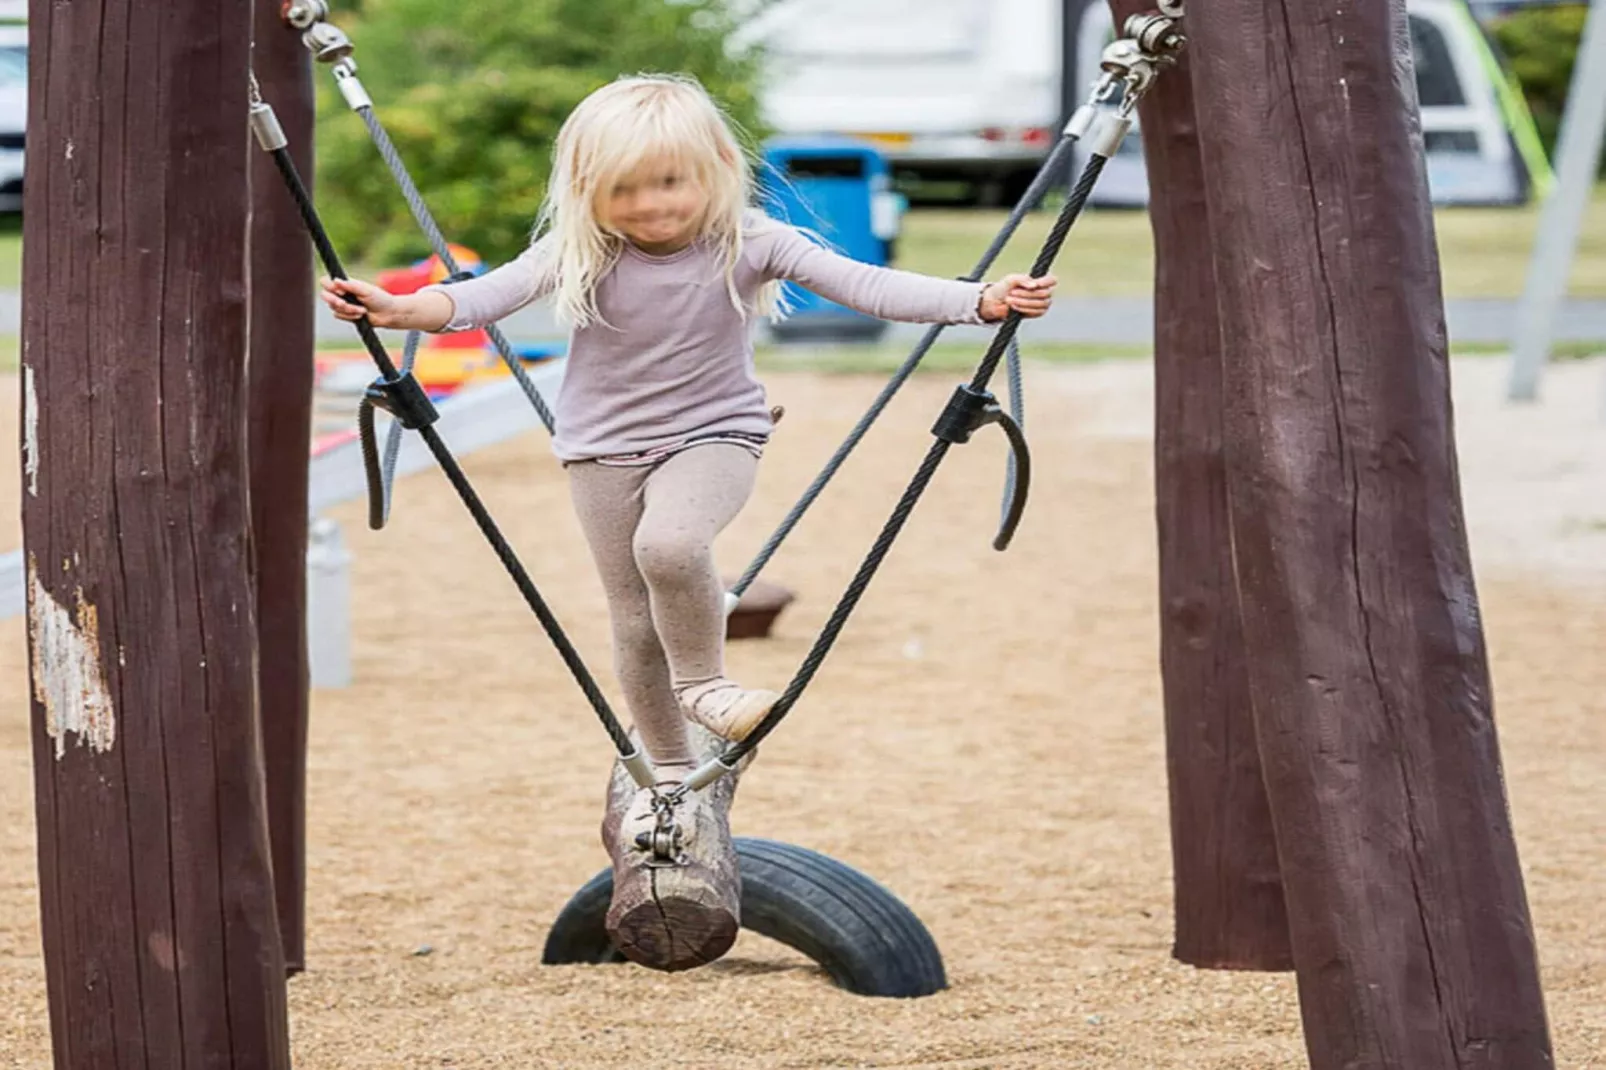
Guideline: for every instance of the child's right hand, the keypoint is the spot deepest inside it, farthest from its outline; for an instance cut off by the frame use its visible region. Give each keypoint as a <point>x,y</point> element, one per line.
<point>352,299</point>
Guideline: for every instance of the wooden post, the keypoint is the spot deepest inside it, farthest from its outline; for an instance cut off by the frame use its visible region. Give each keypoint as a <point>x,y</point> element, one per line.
<point>1228,895</point>
<point>280,405</point>
<point>676,917</point>
<point>1410,927</point>
<point>160,936</point>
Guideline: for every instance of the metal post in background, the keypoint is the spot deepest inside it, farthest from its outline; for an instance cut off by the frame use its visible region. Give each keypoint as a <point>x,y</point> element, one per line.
<point>1577,158</point>
<point>328,605</point>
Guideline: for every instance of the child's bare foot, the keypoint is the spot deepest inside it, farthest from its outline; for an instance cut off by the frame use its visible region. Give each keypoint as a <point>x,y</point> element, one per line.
<point>725,708</point>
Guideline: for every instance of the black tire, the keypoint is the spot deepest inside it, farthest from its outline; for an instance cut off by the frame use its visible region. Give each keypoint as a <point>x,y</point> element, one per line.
<point>864,937</point>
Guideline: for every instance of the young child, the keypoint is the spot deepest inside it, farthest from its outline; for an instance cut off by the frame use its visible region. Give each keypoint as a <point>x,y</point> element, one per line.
<point>657,261</point>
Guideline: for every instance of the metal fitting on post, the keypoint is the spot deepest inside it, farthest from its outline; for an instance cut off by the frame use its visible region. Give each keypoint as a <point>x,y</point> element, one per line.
<point>1081,121</point>
<point>1158,35</point>
<point>345,72</point>
<point>265,125</point>
<point>328,44</point>
<point>1112,130</point>
<point>1126,60</point>
<point>1172,8</point>
<point>303,13</point>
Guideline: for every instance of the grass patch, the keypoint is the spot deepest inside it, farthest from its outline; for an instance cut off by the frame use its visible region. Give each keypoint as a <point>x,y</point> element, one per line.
<point>11,251</point>
<point>945,357</point>
<point>1483,252</point>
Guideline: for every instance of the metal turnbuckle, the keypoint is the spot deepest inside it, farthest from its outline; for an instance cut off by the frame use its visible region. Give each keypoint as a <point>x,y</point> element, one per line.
<point>1131,63</point>
<point>327,42</point>
<point>969,410</point>
<point>303,13</point>
<point>665,842</point>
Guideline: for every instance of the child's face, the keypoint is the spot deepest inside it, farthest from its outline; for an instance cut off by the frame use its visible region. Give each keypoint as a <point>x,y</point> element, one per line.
<point>658,207</point>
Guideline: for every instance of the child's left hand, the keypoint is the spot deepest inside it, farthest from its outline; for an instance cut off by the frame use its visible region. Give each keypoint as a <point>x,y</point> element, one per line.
<point>1020,293</point>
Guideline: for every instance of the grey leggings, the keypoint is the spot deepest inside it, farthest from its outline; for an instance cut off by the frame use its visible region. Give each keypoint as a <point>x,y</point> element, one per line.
<point>651,531</point>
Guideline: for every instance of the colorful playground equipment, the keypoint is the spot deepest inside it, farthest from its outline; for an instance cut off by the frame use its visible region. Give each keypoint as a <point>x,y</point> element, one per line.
<point>445,363</point>
<point>448,361</point>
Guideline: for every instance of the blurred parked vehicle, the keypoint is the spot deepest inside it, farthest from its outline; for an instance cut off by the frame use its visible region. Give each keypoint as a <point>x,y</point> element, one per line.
<point>948,90</point>
<point>13,113</point>
<point>971,91</point>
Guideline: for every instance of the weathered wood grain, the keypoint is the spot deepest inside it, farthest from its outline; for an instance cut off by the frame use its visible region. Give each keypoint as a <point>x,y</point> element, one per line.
<point>280,429</point>
<point>1367,664</point>
<point>1228,897</point>
<point>160,935</point>
<point>678,917</point>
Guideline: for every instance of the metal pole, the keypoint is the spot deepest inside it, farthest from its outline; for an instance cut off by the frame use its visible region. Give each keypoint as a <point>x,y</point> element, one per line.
<point>328,605</point>
<point>1577,156</point>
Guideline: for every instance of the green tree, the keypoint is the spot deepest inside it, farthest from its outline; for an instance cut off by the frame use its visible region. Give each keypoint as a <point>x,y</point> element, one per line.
<point>1540,45</point>
<point>473,96</point>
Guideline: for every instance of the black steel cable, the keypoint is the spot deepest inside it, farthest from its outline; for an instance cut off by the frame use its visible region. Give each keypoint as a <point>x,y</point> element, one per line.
<point>380,475</point>
<point>1045,178</point>
<point>1017,411</point>
<point>393,438</point>
<point>734,753</point>
<point>454,473</point>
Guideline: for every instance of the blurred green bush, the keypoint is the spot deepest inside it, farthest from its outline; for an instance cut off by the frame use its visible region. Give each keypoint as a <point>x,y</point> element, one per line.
<point>1540,45</point>
<point>473,95</point>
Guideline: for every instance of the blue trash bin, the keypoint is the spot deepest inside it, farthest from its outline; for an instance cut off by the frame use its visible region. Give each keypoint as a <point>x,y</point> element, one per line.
<point>841,189</point>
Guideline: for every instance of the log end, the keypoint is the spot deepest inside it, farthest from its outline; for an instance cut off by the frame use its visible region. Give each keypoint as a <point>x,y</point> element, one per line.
<point>672,933</point>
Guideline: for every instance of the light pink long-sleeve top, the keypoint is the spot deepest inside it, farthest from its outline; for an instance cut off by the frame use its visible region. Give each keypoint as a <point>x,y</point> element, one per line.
<point>672,358</point>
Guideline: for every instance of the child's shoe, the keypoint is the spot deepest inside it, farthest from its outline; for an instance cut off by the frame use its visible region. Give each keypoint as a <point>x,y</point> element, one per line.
<point>725,708</point>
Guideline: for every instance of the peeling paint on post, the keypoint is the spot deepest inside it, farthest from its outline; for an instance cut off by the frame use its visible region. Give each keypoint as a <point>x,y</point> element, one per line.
<point>67,676</point>
<point>30,430</point>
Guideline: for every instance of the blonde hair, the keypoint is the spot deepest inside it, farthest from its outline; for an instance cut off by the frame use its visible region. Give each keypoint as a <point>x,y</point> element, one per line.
<point>616,131</point>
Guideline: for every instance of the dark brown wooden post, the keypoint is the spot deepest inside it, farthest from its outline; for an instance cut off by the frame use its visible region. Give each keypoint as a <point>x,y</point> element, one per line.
<point>280,405</point>
<point>1228,894</point>
<point>1411,933</point>
<point>160,936</point>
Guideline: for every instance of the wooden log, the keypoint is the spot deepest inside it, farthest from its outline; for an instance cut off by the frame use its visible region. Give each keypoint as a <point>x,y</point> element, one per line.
<point>1411,934</point>
<point>676,917</point>
<point>280,428</point>
<point>756,611</point>
<point>160,935</point>
<point>1228,895</point>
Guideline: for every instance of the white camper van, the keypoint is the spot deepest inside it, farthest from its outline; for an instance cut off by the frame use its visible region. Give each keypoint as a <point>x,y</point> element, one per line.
<point>972,89</point>
<point>1470,146</point>
<point>948,89</point>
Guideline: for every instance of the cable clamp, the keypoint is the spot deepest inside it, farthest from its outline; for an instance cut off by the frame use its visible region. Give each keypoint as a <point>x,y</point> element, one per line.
<point>969,410</point>
<point>404,398</point>
<point>665,842</point>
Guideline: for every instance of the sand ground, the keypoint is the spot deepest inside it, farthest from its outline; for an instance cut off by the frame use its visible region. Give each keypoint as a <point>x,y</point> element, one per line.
<point>986,741</point>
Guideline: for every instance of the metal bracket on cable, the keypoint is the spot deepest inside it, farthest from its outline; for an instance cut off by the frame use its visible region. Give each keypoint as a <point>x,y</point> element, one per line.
<point>328,44</point>
<point>404,398</point>
<point>264,123</point>
<point>1131,63</point>
<point>665,842</point>
<point>968,411</point>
